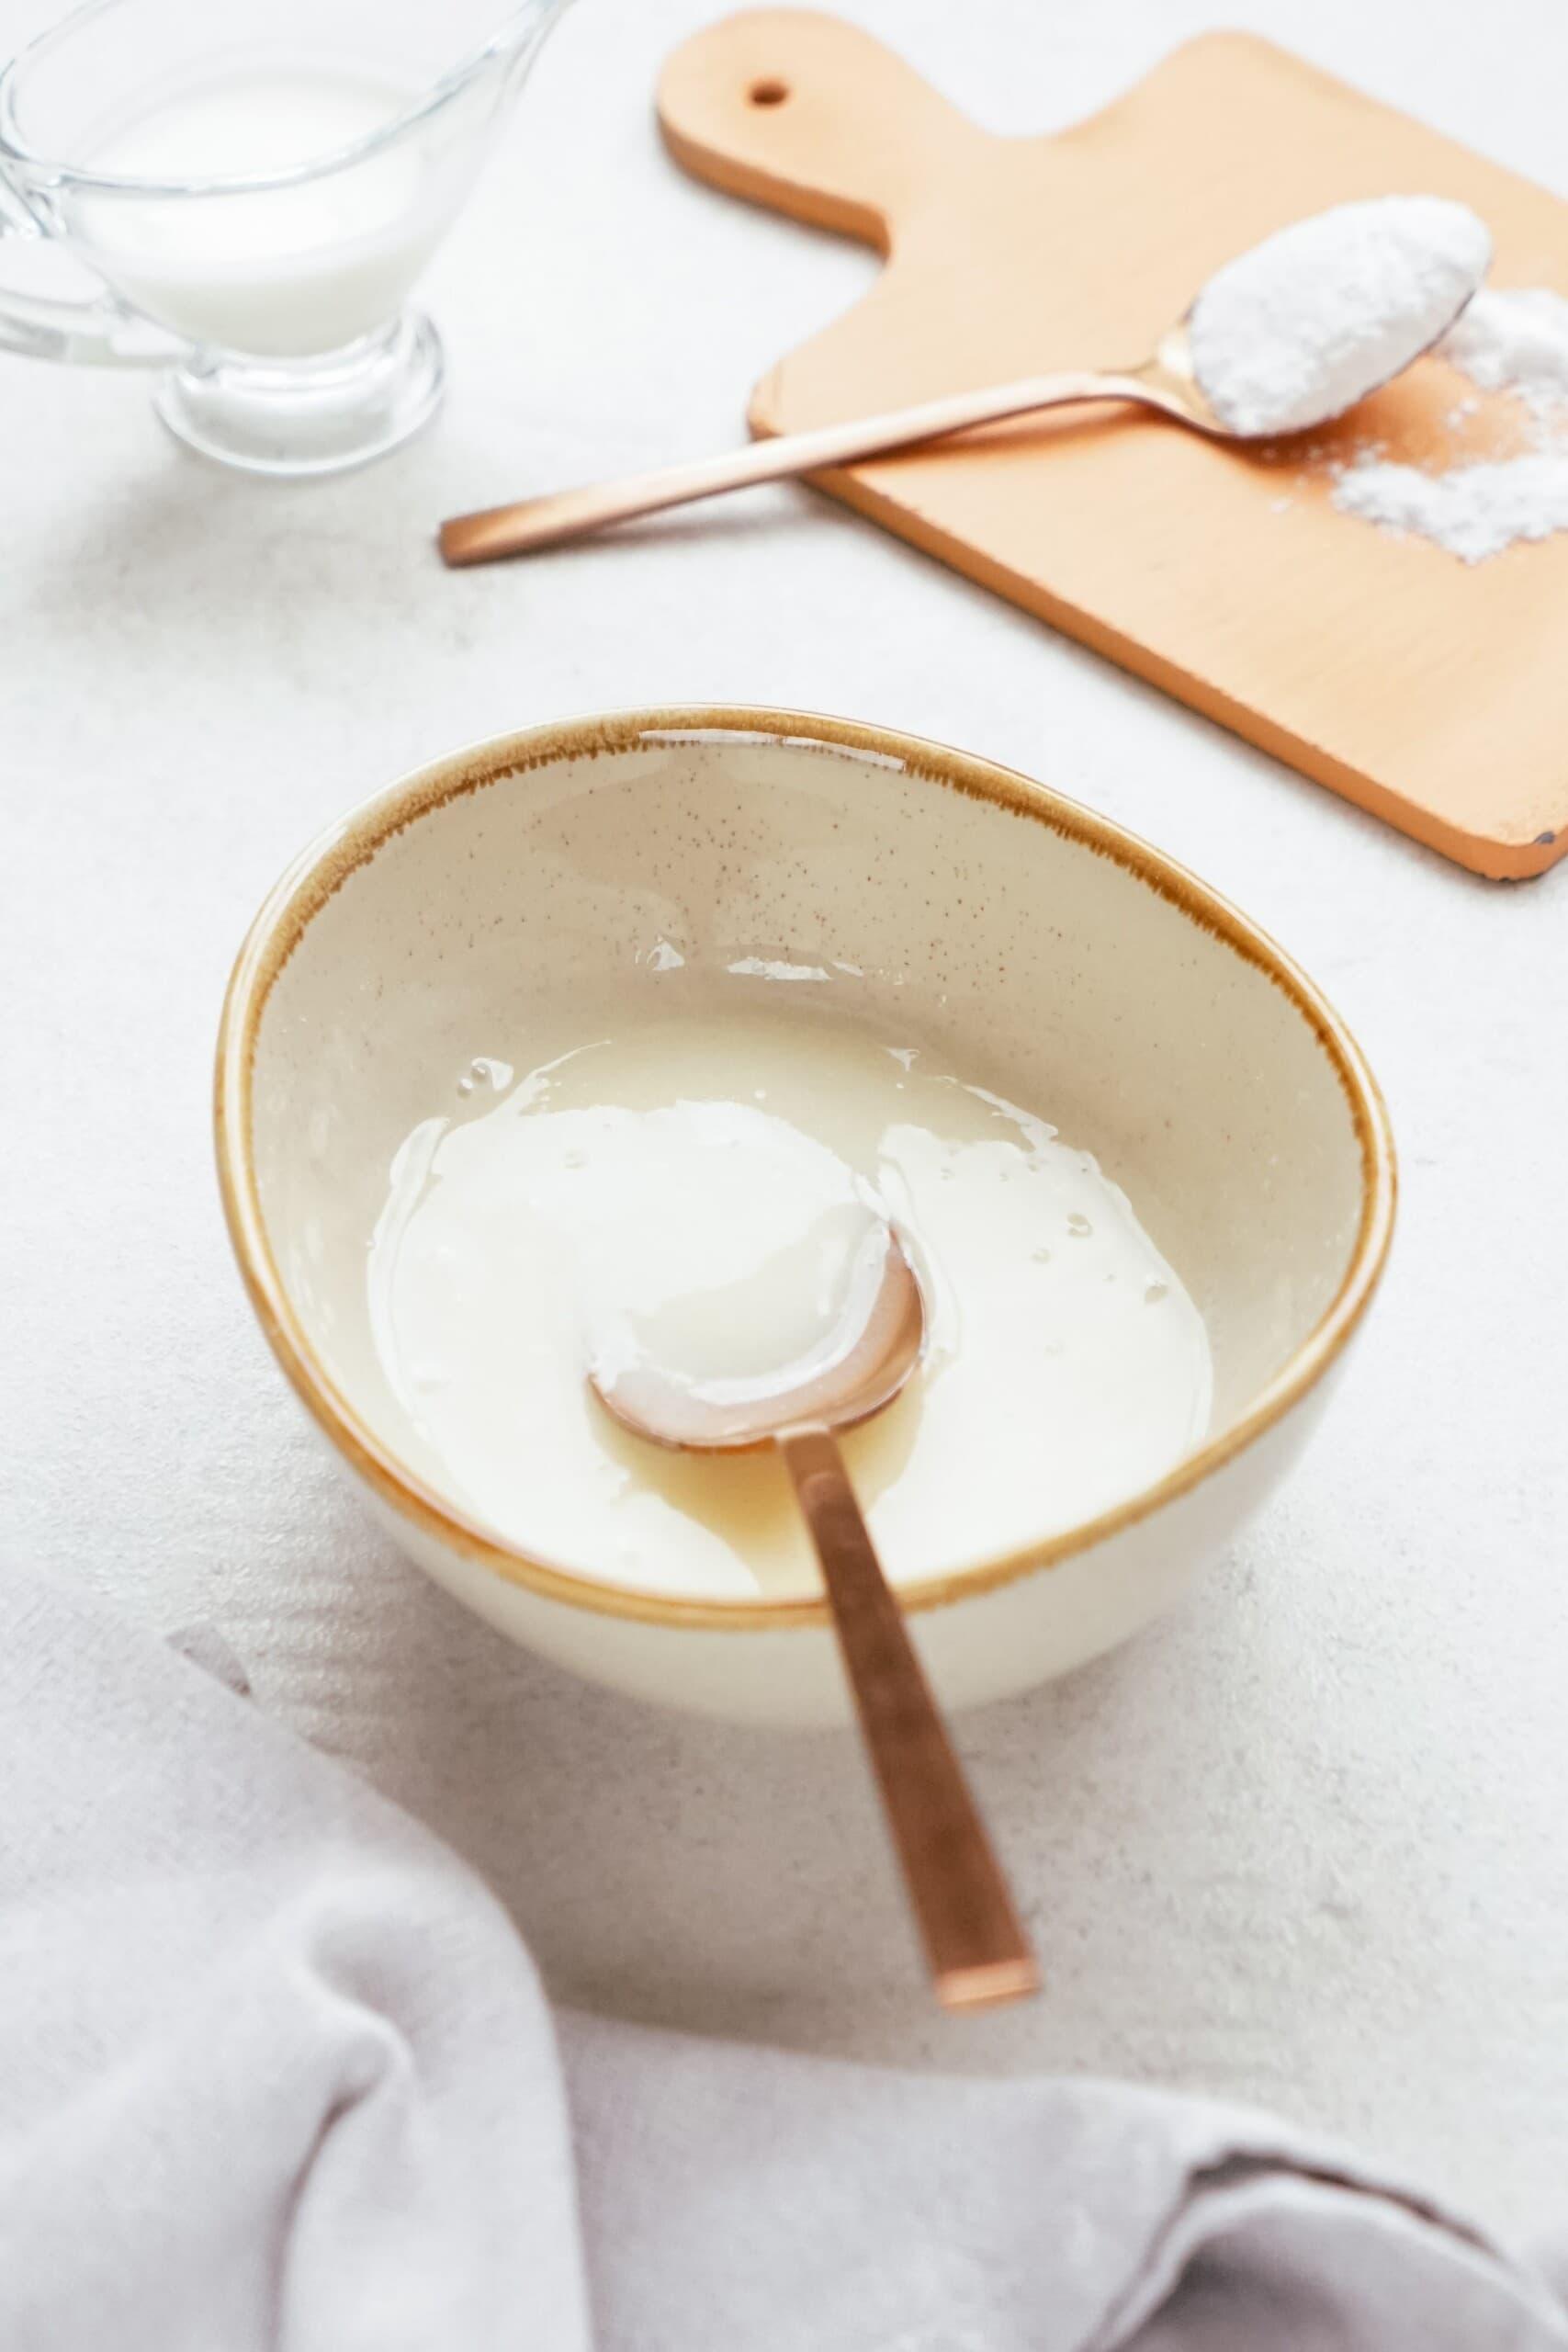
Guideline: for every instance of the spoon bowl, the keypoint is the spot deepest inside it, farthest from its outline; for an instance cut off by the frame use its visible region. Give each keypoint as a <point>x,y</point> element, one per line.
<point>729,1418</point>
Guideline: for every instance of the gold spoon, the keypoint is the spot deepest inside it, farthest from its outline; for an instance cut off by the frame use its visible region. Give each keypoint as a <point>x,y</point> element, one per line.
<point>974,1941</point>
<point>1167,382</point>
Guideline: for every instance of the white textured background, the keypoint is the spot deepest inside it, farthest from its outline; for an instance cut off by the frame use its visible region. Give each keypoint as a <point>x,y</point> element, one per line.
<point>1308,1842</point>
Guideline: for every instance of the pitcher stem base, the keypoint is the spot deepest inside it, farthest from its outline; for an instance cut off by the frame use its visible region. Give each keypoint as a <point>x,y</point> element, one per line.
<point>308,416</point>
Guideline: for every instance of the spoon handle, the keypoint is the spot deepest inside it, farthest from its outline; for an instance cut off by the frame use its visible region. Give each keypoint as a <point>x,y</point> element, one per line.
<point>974,1941</point>
<point>565,515</point>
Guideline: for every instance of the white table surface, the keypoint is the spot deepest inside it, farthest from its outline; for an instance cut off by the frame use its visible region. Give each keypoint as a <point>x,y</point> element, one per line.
<point>1304,1843</point>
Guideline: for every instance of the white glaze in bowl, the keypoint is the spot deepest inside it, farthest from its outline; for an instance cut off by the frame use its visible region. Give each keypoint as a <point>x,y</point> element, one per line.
<point>1098,982</point>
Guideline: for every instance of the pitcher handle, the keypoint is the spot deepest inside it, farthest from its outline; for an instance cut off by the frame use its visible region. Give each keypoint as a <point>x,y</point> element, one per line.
<point>101,333</point>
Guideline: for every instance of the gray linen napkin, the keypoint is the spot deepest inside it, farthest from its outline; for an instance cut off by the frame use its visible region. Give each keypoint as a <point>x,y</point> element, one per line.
<point>275,2070</point>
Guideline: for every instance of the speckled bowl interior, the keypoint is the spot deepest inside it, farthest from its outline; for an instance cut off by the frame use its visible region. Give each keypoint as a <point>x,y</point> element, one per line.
<point>1075,971</point>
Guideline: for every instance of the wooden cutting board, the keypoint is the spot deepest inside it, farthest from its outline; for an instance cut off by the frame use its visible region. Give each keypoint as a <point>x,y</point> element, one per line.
<point>1432,692</point>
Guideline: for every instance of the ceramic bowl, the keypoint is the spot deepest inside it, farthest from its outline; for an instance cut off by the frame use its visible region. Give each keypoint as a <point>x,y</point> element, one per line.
<point>1151,1022</point>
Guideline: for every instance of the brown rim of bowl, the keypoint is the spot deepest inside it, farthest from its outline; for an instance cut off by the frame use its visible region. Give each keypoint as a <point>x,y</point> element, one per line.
<point>327,864</point>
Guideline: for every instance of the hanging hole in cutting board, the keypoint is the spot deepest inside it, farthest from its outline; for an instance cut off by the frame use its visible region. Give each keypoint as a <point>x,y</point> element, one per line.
<point>768,92</point>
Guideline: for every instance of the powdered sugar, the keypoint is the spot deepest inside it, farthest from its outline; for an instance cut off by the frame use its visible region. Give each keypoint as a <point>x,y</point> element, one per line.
<point>1319,315</point>
<point>1515,342</point>
<point>1473,510</point>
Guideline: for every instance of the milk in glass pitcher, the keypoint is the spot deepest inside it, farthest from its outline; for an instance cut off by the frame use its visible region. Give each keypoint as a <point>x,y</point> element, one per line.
<point>258,184</point>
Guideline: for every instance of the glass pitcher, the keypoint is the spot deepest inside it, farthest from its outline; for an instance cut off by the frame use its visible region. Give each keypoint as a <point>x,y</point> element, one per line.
<point>257,183</point>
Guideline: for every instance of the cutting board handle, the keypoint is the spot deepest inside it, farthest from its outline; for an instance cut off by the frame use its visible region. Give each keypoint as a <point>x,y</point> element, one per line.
<point>810,115</point>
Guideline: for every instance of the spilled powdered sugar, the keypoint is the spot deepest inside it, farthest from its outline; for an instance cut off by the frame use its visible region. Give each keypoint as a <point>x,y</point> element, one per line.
<point>1513,341</point>
<point>1308,322</point>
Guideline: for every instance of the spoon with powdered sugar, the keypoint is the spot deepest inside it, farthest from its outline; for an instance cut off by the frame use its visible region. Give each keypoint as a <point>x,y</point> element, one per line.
<point>1286,336</point>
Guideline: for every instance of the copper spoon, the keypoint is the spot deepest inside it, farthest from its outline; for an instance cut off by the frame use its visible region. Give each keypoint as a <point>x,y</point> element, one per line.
<point>1167,382</point>
<point>974,1941</point>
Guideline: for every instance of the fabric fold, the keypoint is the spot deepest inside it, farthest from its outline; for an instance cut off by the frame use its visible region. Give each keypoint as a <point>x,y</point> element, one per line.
<point>824,2204</point>
<point>275,2069</point>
